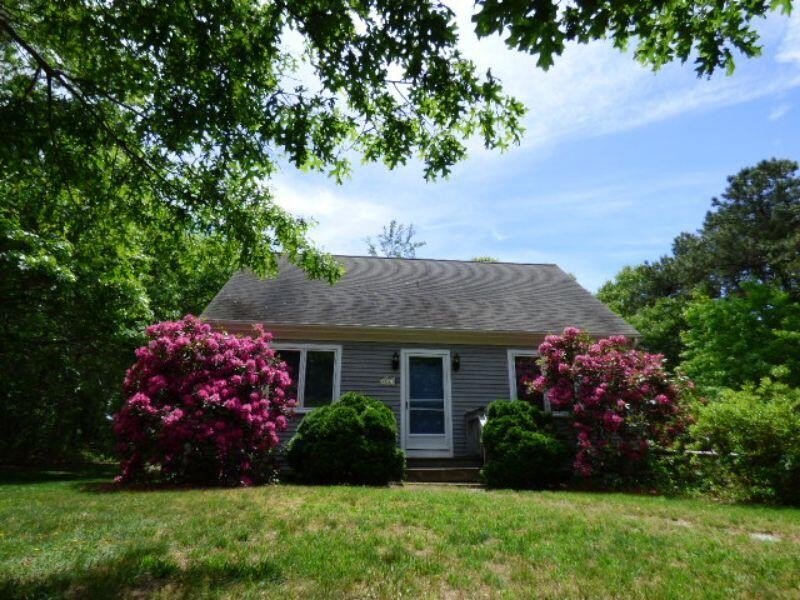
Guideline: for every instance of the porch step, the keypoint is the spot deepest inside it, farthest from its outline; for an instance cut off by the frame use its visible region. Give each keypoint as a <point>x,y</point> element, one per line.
<point>442,474</point>
<point>468,461</point>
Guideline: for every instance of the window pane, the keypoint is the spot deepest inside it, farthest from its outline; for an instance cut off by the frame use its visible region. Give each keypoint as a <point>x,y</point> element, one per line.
<point>292,360</point>
<point>425,377</point>
<point>526,370</point>
<point>426,421</point>
<point>319,378</point>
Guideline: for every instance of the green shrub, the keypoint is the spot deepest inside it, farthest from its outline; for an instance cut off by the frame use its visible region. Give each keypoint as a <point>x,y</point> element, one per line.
<point>353,440</point>
<point>756,435</point>
<point>521,449</point>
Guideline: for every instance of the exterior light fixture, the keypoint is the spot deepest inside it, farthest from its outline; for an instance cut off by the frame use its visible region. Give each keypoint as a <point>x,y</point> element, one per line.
<point>456,362</point>
<point>395,361</point>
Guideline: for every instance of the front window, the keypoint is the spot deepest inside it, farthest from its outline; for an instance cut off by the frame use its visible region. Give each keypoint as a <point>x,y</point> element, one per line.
<point>522,371</point>
<point>314,371</point>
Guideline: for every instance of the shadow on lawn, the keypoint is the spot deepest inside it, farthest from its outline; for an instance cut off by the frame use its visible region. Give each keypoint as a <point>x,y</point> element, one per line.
<point>142,571</point>
<point>113,487</point>
<point>10,475</point>
<point>93,479</point>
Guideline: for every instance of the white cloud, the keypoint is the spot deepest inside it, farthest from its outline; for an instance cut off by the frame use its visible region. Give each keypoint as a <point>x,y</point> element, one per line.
<point>789,51</point>
<point>593,89</point>
<point>779,111</point>
<point>341,221</point>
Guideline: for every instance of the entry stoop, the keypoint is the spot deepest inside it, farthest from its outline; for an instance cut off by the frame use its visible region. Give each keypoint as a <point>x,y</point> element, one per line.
<point>443,470</point>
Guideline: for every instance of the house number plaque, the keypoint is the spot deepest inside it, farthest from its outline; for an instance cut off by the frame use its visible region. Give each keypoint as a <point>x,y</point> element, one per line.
<point>388,381</point>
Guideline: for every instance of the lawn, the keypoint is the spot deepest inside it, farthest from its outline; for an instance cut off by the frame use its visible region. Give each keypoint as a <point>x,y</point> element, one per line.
<point>75,535</point>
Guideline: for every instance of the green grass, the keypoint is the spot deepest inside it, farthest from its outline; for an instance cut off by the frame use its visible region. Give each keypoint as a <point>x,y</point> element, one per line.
<point>74,535</point>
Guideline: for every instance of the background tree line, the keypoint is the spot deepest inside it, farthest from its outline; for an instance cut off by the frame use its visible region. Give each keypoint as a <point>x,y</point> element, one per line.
<point>724,305</point>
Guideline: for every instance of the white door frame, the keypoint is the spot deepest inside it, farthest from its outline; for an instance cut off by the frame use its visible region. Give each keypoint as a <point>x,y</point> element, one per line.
<point>447,448</point>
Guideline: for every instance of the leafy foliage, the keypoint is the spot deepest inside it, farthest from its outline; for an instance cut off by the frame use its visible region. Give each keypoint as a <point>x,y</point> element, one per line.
<point>353,441</point>
<point>742,338</point>
<point>710,32</point>
<point>200,99</point>
<point>622,401</point>
<point>202,407</point>
<point>396,241</point>
<point>752,234</point>
<point>76,292</point>
<point>756,435</point>
<point>521,449</point>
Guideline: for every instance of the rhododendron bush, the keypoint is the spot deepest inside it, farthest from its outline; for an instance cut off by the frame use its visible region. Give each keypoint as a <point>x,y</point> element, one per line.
<point>202,406</point>
<point>622,400</point>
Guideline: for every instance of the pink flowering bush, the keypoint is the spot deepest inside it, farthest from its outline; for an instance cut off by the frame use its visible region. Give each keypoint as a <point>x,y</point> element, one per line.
<point>622,401</point>
<point>202,406</point>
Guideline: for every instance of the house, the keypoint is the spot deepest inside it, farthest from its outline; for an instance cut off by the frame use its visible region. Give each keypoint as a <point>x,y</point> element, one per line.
<point>435,340</point>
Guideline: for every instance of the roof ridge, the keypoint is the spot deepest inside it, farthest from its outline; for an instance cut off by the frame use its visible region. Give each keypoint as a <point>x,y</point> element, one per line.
<point>460,260</point>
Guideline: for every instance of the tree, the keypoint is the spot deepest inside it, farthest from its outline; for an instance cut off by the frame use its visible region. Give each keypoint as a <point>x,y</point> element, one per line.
<point>484,259</point>
<point>396,241</point>
<point>742,338</point>
<point>752,234</point>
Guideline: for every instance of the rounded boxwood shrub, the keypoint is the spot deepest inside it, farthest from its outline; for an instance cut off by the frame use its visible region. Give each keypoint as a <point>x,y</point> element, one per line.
<point>521,449</point>
<point>353,440</point>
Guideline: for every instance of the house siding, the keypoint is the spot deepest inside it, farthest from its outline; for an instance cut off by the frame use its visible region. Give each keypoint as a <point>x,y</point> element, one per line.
<point>483,377</point>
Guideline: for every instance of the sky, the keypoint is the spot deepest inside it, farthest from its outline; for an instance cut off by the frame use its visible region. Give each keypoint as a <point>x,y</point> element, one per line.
<point>616,161</point>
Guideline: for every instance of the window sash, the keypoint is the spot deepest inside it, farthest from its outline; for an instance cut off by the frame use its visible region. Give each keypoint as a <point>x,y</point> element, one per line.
<point>304,349</point>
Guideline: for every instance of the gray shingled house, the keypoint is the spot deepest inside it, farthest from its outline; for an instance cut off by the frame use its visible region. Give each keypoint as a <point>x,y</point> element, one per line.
<point>436,340</point>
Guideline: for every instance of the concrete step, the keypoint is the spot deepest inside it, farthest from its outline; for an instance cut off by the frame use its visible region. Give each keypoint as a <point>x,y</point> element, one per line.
<point>442,474</point>
<point>468,461</point>
<point>462,485</point>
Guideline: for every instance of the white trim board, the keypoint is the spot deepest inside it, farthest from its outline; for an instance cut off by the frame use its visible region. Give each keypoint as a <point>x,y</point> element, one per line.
<point>511,354</point>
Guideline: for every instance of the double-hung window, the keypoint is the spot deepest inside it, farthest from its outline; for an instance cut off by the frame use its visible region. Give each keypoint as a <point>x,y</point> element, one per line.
<point>522,370</point>
<point>315,372</point>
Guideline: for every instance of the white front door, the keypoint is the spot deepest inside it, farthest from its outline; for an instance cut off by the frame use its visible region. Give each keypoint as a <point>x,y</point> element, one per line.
<point>426,414</point>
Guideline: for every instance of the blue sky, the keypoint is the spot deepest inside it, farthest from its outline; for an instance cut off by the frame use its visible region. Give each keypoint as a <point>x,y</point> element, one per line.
<point>617,160</point>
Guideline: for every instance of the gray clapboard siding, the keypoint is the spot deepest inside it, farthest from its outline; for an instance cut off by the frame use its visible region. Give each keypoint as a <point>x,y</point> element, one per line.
<point>483,377</point>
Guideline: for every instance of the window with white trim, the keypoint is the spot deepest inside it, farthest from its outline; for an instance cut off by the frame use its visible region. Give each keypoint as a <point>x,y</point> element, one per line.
<point>314,370</point>
<point>522,370</point>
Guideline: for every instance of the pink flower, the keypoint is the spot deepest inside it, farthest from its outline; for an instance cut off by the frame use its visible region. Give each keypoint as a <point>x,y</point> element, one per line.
<point>604,383</point>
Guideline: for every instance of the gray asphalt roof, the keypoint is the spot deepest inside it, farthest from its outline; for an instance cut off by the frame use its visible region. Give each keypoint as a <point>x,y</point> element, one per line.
<point>420,294</point>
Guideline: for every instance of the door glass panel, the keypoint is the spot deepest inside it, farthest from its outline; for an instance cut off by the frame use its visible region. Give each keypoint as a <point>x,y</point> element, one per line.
<point>426,421</point>
<point>425,377</point>
<point>319,378</point>
<point>426,395</point>
<point>430,404</point>
<point>292,360</point>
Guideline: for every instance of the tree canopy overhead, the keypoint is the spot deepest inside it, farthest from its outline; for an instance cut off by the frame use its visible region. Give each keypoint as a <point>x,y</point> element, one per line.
<point>708,32</point>
<point>201,99</point>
